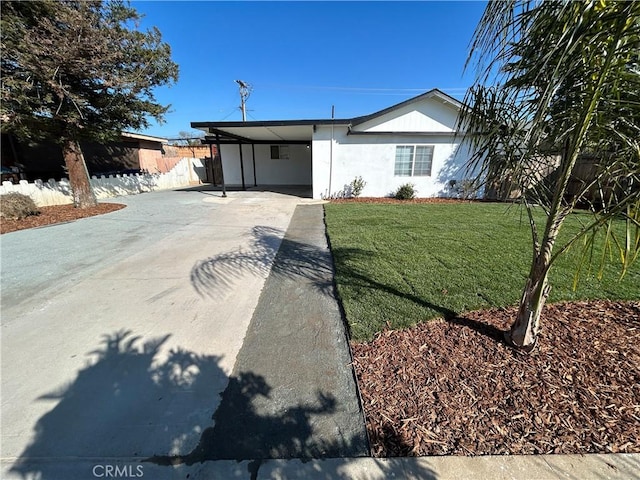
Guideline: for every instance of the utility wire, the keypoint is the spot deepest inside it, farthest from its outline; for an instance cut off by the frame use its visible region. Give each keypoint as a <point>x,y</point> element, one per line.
<point>281,138</point>
<point>369,90</point>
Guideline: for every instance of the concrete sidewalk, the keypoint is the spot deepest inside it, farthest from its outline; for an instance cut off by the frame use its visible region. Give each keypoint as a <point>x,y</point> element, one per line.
<point>515,467</point>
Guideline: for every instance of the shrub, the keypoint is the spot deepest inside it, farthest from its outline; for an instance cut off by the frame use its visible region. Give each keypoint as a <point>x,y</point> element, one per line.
<point>466,188</point>
<point>334,196</point>
<point>406,192</point>
<point>353,189</point>
<point>356,186</point>
<point>15,206</point>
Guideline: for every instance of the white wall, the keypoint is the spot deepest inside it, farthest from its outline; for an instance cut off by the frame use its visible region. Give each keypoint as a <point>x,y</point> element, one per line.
<point>295,171</point>
<point>190,171</point>
<point>429,115</point>
<point>373,158</point>
<point>231,164</point>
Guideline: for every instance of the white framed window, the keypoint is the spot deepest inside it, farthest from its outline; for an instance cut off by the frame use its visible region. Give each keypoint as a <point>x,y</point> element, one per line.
<point>413,160</point>
<point>279,152</point>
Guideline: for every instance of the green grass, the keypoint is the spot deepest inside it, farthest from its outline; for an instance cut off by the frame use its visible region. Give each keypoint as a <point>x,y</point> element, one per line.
<point>398,265</point>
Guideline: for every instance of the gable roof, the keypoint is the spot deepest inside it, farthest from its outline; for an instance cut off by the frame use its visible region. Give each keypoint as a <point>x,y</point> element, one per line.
<point>434,93</point>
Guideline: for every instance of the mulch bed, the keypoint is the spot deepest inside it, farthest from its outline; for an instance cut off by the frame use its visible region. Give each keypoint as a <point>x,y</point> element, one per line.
<point>454,388</point>
<point>388,200</point>
<point>56,214</point>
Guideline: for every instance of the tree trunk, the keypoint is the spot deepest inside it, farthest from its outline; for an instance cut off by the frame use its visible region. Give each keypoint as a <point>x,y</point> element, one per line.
<point>523,334</point>
<point>524,331</point>
<point>83,196</point>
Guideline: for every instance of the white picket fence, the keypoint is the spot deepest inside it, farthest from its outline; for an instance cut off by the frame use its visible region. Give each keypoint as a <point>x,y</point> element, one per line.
<point>189,171</point>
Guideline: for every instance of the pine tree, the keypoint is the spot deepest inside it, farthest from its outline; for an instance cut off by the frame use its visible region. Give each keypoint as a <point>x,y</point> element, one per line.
<point>79,70</point>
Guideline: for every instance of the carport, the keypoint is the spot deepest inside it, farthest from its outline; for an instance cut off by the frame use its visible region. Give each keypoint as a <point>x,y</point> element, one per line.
<point>262,153</point>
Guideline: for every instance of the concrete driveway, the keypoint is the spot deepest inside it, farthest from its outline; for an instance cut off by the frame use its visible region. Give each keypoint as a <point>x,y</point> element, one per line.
<point>114,344</point>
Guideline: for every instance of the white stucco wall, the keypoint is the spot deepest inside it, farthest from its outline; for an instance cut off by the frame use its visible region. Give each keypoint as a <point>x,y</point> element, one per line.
<point>373,158</point>
<point>231,164</point>
<point>295,171</point>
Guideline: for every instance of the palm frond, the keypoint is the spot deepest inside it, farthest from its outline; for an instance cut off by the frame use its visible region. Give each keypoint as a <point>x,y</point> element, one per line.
<point>556,81</point>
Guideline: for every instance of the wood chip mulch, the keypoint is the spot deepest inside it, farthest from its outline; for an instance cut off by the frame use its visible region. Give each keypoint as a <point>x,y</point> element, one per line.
<point>454,388</point>
<point>390,200</point>
<point>56,214</point>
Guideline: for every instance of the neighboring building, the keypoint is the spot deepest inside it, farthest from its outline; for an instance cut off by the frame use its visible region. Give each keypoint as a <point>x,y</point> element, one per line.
<point>131,153</point>
<point>150,151</point>
<point>188,151</point>
<point>412,142</point>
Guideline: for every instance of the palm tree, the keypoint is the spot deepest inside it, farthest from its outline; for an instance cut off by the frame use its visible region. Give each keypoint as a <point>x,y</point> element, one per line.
<point>556,80</point>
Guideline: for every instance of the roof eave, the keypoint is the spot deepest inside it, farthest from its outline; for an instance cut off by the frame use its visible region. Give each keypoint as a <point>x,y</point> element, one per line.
<point>404,133</point>
<point>269,123</point>
<point>140,136</point>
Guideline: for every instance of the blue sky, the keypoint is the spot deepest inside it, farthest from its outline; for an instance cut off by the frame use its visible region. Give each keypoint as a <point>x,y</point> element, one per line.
<point>303,57</point>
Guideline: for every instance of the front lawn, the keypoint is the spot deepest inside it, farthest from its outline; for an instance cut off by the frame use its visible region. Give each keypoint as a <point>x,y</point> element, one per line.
<point>398,265</point>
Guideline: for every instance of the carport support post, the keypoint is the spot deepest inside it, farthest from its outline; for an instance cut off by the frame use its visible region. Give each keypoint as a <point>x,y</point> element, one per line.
<point>253,153</point>
<point>241,166</point>
<point>224,188</point>
<point>212,170</point>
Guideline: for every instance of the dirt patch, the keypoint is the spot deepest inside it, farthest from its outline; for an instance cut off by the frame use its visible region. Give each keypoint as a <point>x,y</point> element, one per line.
<point>454,388</point>
<point>57,214</point>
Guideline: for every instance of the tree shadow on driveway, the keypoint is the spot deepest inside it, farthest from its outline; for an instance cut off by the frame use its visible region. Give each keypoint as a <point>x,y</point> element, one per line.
<point>284,435</point>
<point>299,260</point>
<point>133,404</point>
<point>127,398</point>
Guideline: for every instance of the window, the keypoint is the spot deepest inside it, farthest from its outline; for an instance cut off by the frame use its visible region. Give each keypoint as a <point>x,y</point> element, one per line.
<point>404,161</point>
<point>413,161</point>
<point>280,152</point>
<point>422,163</point>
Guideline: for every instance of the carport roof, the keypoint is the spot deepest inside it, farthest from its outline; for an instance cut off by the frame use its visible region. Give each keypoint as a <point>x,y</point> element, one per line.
<point>269,131</point>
